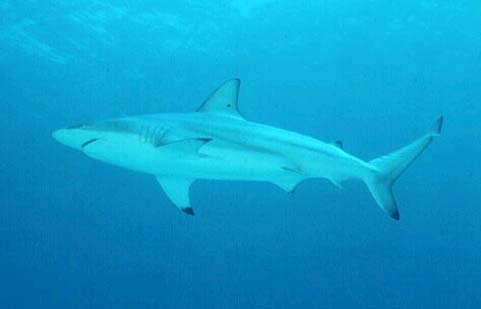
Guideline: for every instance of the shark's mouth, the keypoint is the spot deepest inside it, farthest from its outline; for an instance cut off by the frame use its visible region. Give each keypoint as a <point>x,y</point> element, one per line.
<point>90,141</point>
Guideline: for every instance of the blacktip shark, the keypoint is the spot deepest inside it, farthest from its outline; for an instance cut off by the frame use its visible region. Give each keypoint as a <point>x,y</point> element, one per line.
<point>217,142</point>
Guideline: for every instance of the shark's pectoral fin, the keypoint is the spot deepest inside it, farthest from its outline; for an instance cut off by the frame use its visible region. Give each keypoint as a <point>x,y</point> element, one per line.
<point>191,145</point>
<point>177,189</point>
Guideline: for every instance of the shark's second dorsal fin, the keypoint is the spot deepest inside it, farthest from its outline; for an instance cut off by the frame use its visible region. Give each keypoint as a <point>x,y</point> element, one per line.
<point>223,100</point>
<point>338,144</point>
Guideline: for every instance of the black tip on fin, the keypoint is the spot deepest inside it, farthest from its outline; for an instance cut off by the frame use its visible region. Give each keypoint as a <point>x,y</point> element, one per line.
<point>339,144</point>
<point>439,124</point>
<point>396,216</point>
<point>188,210</point>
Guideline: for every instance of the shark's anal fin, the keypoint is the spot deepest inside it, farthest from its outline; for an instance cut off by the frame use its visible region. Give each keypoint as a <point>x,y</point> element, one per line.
<point>177,189</point>
<point>223,100</point>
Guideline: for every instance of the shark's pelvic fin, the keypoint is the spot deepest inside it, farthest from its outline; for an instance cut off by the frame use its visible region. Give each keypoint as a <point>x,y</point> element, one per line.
<point>177,189</point>
<point>337,182</point>
<point>223,100</point>
<point>288,185</point>
<point>388,168</point>
<point>292,177</point>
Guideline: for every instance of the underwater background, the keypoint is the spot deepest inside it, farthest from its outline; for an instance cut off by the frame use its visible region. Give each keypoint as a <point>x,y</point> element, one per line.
<point>76,233</point>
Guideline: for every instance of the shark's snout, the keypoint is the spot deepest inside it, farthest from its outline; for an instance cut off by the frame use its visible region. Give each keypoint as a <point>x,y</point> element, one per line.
<point>76,137</point>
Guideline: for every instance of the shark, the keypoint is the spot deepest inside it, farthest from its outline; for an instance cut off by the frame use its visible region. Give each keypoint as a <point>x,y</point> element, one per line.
<point>216,142</point>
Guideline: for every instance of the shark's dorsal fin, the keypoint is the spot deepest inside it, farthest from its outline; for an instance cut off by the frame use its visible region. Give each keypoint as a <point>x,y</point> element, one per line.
<point>223,100</point>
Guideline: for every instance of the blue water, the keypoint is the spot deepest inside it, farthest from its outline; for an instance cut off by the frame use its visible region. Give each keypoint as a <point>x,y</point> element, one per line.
<point>76,233</point>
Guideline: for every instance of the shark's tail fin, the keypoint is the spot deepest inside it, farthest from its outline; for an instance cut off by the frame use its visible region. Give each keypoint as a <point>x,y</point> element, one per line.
<point>388,168</point>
